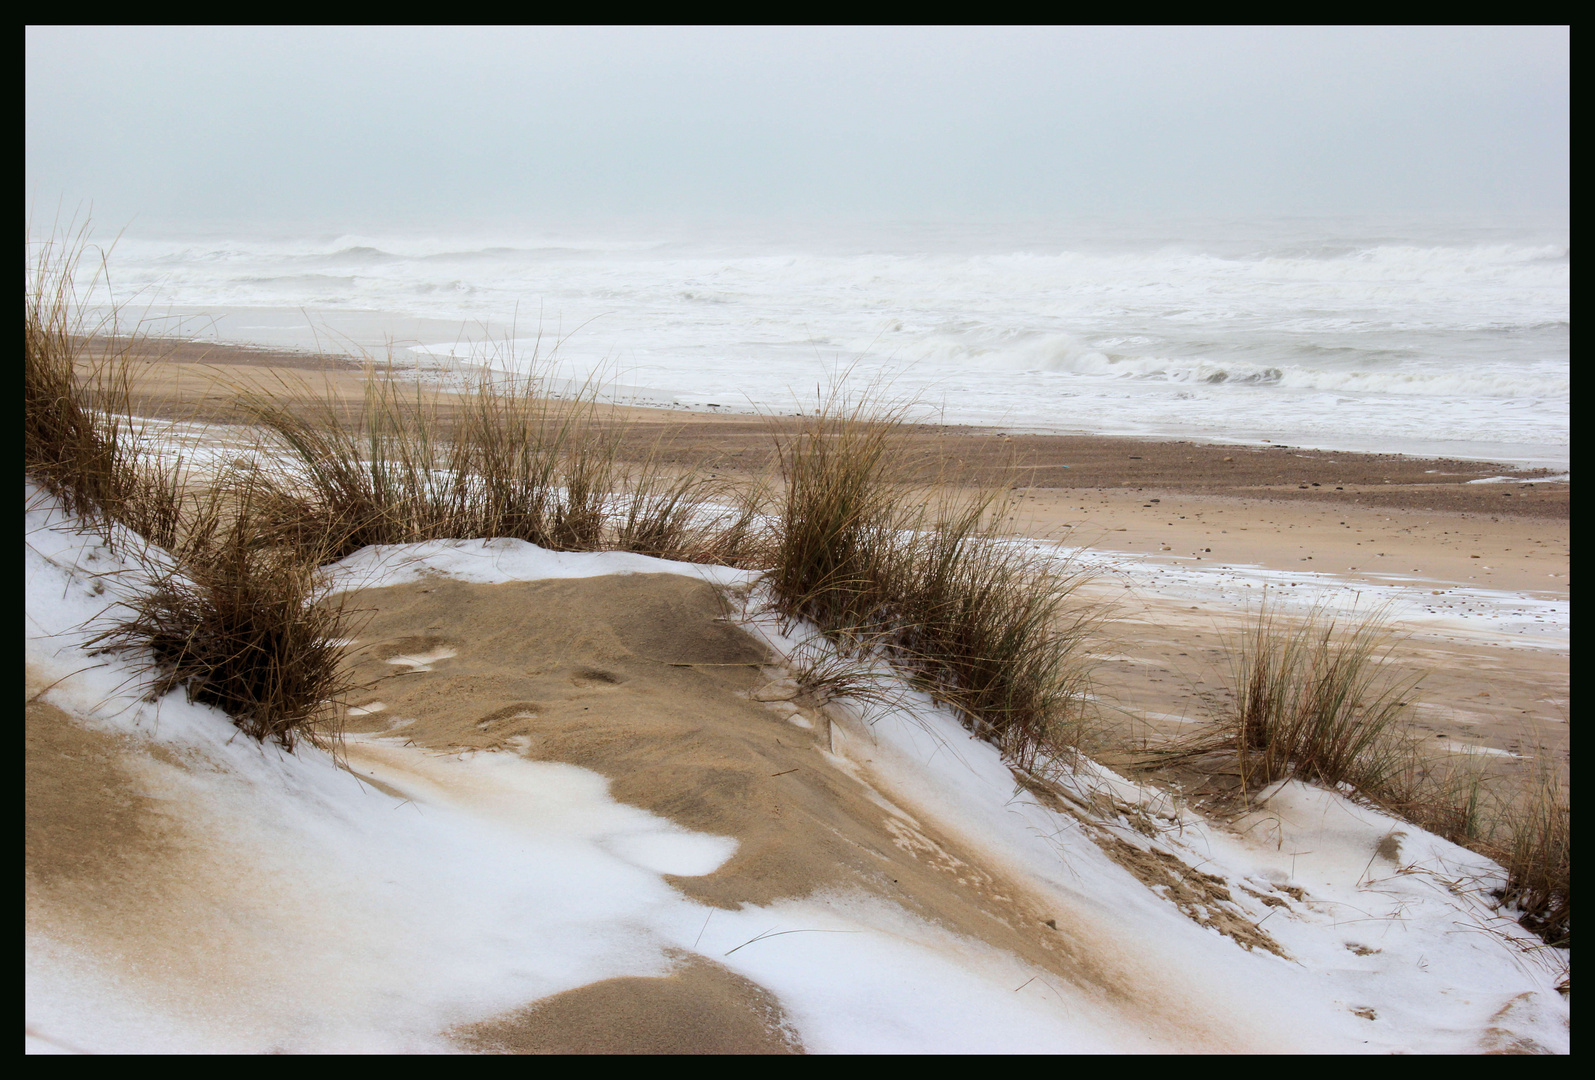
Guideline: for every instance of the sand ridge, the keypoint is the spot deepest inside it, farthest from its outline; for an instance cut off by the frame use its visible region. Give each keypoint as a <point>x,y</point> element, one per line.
<point>640,678</point>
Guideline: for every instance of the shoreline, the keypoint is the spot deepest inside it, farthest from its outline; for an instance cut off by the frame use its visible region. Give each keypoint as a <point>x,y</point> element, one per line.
<point>191,372</point>
<point>1511,458</point>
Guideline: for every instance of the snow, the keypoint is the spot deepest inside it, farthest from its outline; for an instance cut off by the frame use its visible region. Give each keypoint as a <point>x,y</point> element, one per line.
<point>1559,478</point>
<point>1410,604</point>
<point>490,562</point>
<point>348,919</point>
<point>1444,959</point>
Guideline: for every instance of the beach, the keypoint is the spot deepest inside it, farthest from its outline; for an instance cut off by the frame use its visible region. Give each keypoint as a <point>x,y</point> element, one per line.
<point>587,802</point>
<point>729,540</point>
<point>1471,559</point>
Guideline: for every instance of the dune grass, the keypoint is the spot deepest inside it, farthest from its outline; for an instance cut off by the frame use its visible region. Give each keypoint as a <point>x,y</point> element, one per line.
<point>233,620</point>
<point>240,623</point>
<point>1313,701</point>
<point>504,459</point>
<point>79,440</point>
<point>1537,851</point>
<point>922,577</point>
<point>1523,822</point>
<point>65,443</point>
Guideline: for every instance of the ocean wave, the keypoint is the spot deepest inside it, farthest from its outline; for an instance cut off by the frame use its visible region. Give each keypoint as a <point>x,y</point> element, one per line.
<point>1249,332</point>
<point>1068,354</point>
<point>295,281</point>
<point>357,255</point>
<point>458,287</point>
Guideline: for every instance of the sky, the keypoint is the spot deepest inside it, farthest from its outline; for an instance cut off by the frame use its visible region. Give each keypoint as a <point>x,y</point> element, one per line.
<point>265,125</point>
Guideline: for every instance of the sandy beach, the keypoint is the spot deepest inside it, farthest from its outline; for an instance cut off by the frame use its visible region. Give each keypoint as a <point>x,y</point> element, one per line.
<point>1164,523</point>
<point>603,730</point>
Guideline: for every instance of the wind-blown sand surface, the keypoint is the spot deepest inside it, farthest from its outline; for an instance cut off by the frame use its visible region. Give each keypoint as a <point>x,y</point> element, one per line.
<point>597,815</point>
<point>639,678</point>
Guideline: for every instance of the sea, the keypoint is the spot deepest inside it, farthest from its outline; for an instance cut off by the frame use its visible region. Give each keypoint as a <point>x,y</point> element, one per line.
<point>1422,336</point>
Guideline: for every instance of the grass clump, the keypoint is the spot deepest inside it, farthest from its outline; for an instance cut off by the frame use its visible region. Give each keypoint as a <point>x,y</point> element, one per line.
<point>688,517</point>
<point>218,611</point>
<point>1313,702</point>
<point>1537,852</point>
<point>923,579</point>
<point>79,440</point>
<point>241,624</point>
<point>498,458</point>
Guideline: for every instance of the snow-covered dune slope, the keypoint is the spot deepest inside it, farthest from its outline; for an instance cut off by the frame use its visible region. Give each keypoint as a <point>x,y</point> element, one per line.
<point>902,891</point>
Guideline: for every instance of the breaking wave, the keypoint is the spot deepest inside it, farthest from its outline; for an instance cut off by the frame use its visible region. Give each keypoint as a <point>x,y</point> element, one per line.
<point>1256,327</point>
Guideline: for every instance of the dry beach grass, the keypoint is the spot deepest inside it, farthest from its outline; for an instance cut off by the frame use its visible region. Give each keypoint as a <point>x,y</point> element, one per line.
<point>1314,698</point>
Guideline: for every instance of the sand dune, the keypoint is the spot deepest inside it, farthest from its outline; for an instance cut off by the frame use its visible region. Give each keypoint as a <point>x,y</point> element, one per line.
<point>638,677</point>
<point>584,808</point>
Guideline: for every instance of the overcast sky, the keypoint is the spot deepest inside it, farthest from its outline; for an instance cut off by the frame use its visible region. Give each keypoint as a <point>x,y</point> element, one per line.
<point>373,125</point>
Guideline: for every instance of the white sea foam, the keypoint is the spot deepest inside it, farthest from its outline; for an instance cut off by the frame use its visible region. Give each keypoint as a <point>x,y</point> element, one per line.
<point>1416,338</point>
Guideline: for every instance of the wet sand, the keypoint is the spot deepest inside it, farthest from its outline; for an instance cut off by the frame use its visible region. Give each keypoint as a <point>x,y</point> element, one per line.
<point>202,382</point>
